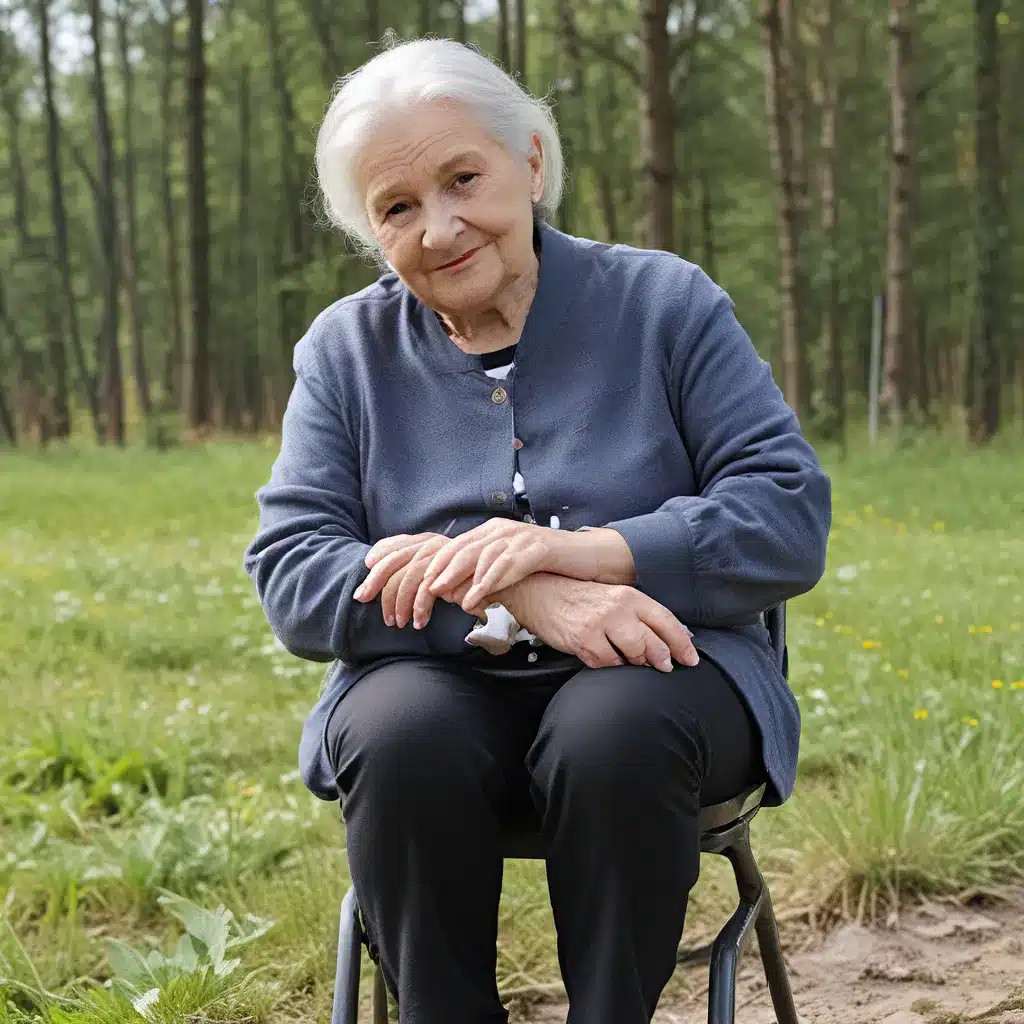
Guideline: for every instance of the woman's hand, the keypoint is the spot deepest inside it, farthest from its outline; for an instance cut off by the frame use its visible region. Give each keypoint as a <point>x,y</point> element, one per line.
<point>397,565</point>
<point>493,556</point>
<point>596,621</point>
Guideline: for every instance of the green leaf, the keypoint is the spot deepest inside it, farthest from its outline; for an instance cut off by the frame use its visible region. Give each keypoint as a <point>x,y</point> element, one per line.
<point>210,927</point>
<point>127,963</point>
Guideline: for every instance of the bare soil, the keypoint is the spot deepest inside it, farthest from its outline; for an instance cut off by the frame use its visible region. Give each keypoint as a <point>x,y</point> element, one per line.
<point>941,963</point>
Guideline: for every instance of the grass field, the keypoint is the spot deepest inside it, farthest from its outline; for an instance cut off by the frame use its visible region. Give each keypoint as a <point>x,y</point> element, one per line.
<point>151,721</point>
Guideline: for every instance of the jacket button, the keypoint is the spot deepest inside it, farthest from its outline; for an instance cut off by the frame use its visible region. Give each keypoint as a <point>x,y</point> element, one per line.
<point>499,396</point>
<point>517,444</point>
<point>499,498</point>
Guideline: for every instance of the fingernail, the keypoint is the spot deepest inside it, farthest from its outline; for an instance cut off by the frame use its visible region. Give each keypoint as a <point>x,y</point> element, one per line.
<point>359,592</point>
<point>666,665</point>
<point>691,658</point>
<point>417,623</point>
<point>389,620</point>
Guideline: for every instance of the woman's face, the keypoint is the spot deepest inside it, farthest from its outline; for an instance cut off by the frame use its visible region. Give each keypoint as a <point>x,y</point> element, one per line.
<point>451,207</point>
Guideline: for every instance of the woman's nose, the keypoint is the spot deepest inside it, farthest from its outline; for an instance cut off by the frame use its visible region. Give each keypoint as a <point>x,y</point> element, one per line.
<point>440,226</point>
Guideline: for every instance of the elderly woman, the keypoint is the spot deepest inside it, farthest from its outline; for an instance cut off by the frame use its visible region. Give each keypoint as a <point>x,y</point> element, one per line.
<point>570,454</point>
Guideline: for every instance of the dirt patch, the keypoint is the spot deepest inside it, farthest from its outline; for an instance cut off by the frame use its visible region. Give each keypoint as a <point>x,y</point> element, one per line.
<point>942,963</point>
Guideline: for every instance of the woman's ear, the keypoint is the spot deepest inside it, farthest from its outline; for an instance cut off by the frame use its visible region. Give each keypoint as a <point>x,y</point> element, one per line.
<point>535,159</point>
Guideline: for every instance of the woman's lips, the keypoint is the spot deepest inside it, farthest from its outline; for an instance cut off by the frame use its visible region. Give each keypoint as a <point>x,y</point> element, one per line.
<point>462,259</point>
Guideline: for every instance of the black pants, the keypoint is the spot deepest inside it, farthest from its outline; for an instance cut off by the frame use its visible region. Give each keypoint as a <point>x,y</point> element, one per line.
<point>430,757</point>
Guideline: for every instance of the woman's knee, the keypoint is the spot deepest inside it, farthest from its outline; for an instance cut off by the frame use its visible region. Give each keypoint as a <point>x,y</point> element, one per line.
<point>618,728</point>
<point>402,722</point>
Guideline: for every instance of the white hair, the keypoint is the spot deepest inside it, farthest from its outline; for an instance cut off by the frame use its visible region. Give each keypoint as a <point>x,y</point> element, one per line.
<point>426,70</point>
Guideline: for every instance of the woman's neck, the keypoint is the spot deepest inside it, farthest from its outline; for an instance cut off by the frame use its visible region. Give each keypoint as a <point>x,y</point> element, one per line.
<point>500,324</point>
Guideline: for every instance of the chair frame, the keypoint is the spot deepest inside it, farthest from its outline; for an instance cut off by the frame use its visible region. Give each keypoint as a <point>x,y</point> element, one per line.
<point>725,830</point>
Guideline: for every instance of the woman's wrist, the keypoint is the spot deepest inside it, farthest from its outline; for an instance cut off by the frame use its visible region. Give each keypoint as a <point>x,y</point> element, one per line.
<point>598,555</point>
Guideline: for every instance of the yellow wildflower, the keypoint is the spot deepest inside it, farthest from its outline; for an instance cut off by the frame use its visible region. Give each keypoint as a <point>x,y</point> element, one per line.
<point>870,644</point>
<point>903,672</point>
<point>938,526</point>
<point>997,684</point>
<point>1018,685</point>
<point>921,714</point>
<point>972,722</point>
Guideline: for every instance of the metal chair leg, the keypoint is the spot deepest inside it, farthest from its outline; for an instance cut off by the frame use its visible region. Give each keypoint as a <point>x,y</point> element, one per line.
<point>774,965</point>
<point>725,959</point>
<point>380,998</point>
<point>750,883</point>
<point>346,978</point>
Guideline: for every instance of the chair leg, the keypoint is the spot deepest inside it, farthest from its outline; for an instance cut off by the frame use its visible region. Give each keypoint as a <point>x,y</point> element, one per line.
<point>774,965</point>
<point>380,998</point>
<point>346,977</point>
<point>725,959</point>
<point>749,880</point>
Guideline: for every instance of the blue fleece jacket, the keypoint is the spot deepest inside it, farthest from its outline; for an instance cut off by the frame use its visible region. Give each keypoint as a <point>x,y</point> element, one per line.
<point>642,406</point>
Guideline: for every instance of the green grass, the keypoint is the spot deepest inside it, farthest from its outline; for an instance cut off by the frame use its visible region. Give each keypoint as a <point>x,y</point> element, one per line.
<point>151,725</point>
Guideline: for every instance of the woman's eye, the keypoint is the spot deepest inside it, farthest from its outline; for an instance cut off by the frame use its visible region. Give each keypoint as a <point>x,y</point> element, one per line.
<point>396,209</point>
<point>467,178</point>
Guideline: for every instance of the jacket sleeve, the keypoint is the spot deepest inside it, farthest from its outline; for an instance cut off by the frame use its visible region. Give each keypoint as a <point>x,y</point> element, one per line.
<point>307,557</point>
<point>756,531</point>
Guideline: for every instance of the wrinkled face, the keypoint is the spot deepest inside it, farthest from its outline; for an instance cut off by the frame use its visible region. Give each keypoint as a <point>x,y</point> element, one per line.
<point>451,207</point>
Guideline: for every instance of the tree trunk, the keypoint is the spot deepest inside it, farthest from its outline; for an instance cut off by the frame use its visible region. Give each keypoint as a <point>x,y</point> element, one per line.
<point>573,114</point>
<point>521,40</point>
<point>461,31</point>
<point>20,362</point>
<point>58,214</point>
<point>984,388</point>
<point>899,268</point>
<point>58,363</point>
<point>292,255</point>
<point>131,261</point>
<point>245,264</point>
<point>794,348</point>
<point>707,224</point>
<point>373,20</point>
<point>833,420</point>
<point>423,19</point>
<point>10,99</point>
<point>175,352</point>
<point>657,126</point>
<point>109,353</point>
<point>794,77</point>
<point>197,363</point>
<point>7,422</point>
<point>609,103</point>
<point>503,34</point>
<point>322,20</point>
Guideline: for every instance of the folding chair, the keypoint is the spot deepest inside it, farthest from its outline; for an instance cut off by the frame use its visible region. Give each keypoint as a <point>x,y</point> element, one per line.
<point>725,830</point>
